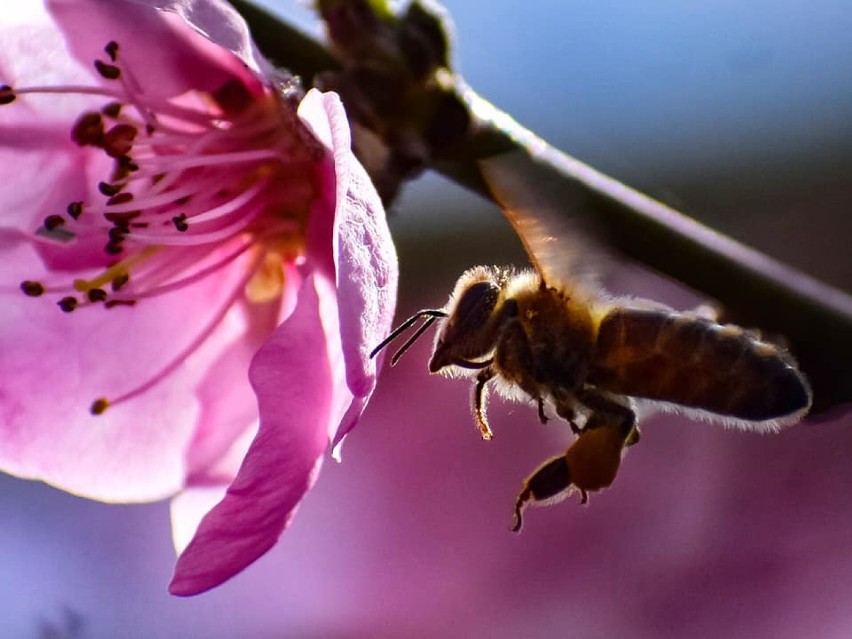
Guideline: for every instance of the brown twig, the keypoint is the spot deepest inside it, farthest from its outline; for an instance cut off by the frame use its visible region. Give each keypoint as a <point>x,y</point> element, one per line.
<point>754,289</point>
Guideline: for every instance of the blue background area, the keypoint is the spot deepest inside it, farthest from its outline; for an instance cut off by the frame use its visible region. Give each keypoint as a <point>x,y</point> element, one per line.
<point>734,112</point>
<point>670,83</point>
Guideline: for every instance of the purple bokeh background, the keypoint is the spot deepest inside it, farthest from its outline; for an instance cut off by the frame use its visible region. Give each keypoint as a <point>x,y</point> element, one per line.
<point>738,114</point>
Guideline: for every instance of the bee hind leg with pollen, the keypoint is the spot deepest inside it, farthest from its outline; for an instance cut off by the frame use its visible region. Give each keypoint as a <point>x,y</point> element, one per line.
<point>590,463</point>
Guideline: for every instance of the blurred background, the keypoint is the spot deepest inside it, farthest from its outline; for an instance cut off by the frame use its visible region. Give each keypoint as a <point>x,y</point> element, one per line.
<point>734,112</point>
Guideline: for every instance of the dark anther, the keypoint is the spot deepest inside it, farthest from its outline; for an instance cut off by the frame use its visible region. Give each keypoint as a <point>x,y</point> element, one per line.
<point>182,201</point>
<point>53,222</point>
<point>108,189</point>
<point>112,110</point>
<point>123,167</point>
<point>108,71</point>
<point>68,304</point>
<point>114,303</point>
<point>88,129</point>
<point>118,233</point>
<point>119,281</point>
<point>99,406</point>
<point>180,222</point>
<point>31,288</point>
<point>121,198</point>
<point>121,218</point>
<point>119,140</point>
<point>123,226</point>
<point>7,94</point>
<point>113,247</point>
<point>126,163</point>
<point>96,295</point>
<point>75,209</point>
<point>111,49</point>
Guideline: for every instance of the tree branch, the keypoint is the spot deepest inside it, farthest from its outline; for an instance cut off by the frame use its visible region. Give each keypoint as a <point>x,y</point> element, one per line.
<point>755,290</point>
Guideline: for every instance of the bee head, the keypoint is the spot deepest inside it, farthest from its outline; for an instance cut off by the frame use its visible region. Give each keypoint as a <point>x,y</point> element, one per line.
<point>469,332</point>
<point>470,325</point>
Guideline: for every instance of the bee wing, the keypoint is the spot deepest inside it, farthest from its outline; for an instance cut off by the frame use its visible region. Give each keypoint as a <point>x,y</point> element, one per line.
<point>538,204</point>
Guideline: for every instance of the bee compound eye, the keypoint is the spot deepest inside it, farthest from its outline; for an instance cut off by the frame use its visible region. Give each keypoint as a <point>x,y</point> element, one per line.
<point>476,304</point>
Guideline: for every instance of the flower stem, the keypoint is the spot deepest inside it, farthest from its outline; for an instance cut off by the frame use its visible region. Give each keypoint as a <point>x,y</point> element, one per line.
<point>755,290</point>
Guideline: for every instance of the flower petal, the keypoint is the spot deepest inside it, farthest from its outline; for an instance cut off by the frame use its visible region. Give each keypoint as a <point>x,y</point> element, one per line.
<point>363,251</point>
<point>164,55</point>
<point>188,509</point>
<point>293,381</point>
<point>53,365</point>
<point>365,256</point>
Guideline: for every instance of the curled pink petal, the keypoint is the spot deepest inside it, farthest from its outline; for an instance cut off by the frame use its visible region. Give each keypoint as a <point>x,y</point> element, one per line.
<point>291,377</point>
<point>364,255</point>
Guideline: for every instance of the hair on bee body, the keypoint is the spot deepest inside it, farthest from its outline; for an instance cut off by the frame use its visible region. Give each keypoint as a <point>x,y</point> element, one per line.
<point>590,358</point>
<point>552,337</point>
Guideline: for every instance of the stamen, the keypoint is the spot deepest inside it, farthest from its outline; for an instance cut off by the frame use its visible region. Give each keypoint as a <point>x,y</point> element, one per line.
<point>113,247</point>
<point>118,282</point>
<point>112,110</point>
<point>118,140</point>
<point>109,189</point>
<point>118,233</point>
<point>217,234</point>
<point>119,271</point>
<point>53,221</point>
<point>121,198</point>
<point>88,130</point>
<point>114,303</point>
<point>107,71</point>
<point>111,49</point>
<point>7,94</point>
<point>103,403</point>
<point>32,289</point>
<point>216,174</point>
<point>97,295</point>
<point>68,304</point>
<point>75,209</point>
<point>121,217</point>
<point>180,222</point>
<point>99,406</point>
<point>201,274</point>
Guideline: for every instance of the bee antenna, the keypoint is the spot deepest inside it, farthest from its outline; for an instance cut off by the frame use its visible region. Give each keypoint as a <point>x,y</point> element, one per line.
<point>410,341</point>
<point>431,314</point>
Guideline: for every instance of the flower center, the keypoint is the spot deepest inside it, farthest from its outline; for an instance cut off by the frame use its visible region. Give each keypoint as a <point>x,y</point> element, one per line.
<point>190,184</point>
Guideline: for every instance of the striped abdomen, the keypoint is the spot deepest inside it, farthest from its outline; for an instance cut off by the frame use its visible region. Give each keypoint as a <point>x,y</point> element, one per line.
<point>691,361</point>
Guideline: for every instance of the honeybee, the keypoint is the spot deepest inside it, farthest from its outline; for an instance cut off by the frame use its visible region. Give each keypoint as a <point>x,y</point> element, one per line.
<point>537,335</point>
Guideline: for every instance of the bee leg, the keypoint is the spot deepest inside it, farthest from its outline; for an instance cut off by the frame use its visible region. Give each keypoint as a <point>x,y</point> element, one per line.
<point>610,413</point>
<point>590,463</point>
<point>565,404</point>
<point>548,481</point>
<point>634,436</point>
<point>480,392</point>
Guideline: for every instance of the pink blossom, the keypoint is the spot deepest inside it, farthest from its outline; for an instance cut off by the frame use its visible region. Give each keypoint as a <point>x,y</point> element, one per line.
<point>176,216</point>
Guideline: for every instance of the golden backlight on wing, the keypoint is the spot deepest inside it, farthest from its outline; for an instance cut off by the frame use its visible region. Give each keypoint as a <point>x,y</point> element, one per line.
<point>545,337</point>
